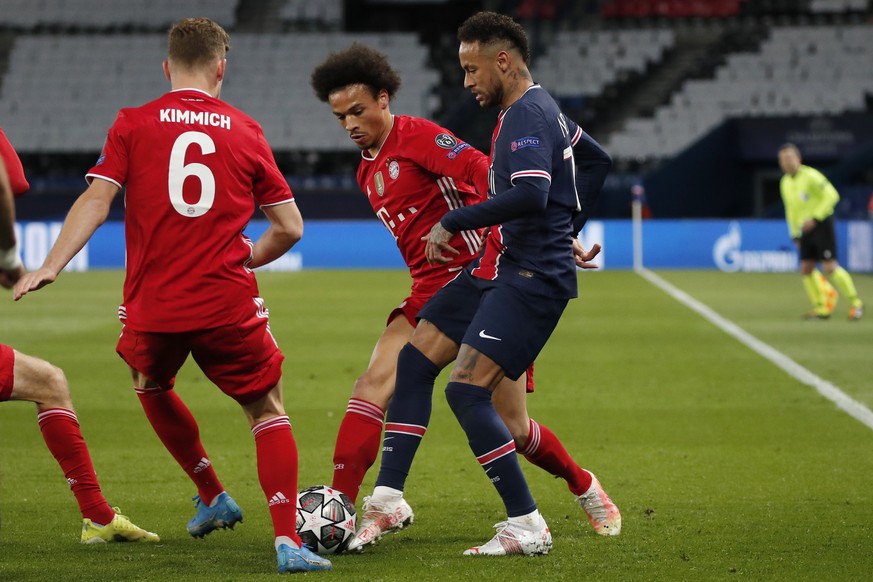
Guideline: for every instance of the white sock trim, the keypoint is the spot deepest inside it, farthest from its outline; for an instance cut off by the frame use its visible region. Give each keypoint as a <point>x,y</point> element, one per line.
<point>532,521</point>
<point>287,541</point>
<point>382,492</point>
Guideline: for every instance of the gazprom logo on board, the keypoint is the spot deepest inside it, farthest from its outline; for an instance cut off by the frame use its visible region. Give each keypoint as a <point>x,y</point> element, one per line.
<point>728,255</point>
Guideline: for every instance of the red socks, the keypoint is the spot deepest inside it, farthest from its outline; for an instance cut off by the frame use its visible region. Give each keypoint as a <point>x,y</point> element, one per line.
<point>177,429</point>
<point>544,450</point>
<point>60,429</point>
<point>357,445</point>
<point>277,473</point>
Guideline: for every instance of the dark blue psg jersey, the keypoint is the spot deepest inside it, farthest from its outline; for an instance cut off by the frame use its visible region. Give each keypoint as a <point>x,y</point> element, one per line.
<point>532,164</point>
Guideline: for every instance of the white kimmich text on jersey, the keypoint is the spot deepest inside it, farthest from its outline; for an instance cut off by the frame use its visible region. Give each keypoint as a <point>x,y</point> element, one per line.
<point>198,117</point>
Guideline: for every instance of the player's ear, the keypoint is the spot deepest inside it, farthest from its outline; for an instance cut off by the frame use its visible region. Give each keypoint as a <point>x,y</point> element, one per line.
<point>166,66</point>
<point>503,61</point>
<point>222,66</point>
<point>384,99</point>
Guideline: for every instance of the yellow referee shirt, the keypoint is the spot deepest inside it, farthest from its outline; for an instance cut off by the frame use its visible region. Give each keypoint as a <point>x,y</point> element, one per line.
<point>807,194</point>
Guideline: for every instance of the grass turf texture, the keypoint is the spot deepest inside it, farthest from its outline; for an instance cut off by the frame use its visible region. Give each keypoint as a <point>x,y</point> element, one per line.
<point>723,466</point>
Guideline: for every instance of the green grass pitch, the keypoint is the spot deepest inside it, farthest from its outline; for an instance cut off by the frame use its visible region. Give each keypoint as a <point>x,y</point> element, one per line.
<point>724,466</point>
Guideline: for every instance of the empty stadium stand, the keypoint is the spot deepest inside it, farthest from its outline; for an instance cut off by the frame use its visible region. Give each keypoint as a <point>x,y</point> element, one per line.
<point>650,79</point>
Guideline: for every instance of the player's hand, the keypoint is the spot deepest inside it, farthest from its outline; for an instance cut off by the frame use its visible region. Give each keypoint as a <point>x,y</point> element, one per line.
<point>808,225</point>
<point>583,257</point>
<point>437,243</point>
<point>8,277</point>
<point>33,281</point>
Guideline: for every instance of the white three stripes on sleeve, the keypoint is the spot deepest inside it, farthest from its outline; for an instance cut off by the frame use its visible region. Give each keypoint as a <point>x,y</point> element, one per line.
<point>454,200</point>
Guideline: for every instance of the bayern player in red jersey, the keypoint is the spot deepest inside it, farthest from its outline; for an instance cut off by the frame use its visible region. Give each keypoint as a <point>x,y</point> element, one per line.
<point>413,172</point>
<point>24,377</point>
<point>195,168</point>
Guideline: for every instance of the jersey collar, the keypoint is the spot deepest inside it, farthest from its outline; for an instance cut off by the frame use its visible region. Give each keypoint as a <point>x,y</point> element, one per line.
<point>534,86</point>
<point>191,89</point>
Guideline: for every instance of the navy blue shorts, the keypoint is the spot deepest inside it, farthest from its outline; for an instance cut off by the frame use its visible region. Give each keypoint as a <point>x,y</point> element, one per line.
<point>502,322</point>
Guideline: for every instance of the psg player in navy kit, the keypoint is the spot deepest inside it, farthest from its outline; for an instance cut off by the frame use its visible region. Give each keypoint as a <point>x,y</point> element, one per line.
<point>496,316</point>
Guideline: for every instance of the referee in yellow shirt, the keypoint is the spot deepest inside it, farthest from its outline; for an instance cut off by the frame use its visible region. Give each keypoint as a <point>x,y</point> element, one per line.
<point>809,200</point>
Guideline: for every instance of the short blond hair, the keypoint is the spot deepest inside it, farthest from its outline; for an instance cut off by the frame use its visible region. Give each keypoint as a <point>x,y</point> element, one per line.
<point>194,42</point>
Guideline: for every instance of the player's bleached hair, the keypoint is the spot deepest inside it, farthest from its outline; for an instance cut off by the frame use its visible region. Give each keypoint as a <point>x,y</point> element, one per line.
<point>490,28</point>
<point>193,42</point>
<point>358,64</point>
<point>790,146</point>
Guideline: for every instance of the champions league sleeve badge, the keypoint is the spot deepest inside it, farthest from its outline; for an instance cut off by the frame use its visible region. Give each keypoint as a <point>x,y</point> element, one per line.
<point>446,141</point>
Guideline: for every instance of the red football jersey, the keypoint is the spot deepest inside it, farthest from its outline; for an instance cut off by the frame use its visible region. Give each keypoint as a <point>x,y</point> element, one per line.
<point>421,172</point>
<point>13,166</point>
<point>194,168</point>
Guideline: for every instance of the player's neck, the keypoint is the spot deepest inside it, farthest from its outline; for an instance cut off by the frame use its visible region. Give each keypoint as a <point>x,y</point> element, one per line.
<point>517,84</point>
<point>182,81</point>
<point>374,151</point>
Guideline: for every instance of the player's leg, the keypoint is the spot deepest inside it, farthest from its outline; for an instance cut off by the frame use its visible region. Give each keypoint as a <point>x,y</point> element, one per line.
<point>468,392</point>
<point>534,441</point>
<point>541,447</point>
<point>277,474</point>
<point>828,294</point>
<point>153,360</point>
<point>177,429</point>
<point>245,362</point>
<point>418,365</point>
<point>813,289</point>
<point>843,280</point>
<point>360,432</point>
<point>37,381</point>
<point>502,341</point>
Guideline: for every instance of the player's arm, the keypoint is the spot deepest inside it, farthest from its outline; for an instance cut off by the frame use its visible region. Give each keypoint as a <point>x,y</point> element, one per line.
<point>791,218</point>
<point>592,165</point>
<point>11,268</point>
<point>528,195</point>
<point>286,228</point>
<point>827,199</point>
<point>87,214</point>
<point>14,169</point>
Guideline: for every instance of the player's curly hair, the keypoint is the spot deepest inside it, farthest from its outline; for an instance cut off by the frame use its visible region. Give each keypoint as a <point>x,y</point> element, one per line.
<point>488,28</point>
<point>356,64</point>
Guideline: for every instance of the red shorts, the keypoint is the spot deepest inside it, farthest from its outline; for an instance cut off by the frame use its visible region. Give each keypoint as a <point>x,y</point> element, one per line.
<point>409,309</point>
<point>7,372</point>
<point>243,360</point>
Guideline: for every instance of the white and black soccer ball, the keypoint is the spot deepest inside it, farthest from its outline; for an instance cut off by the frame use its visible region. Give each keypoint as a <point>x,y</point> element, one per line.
<point>326,519</point>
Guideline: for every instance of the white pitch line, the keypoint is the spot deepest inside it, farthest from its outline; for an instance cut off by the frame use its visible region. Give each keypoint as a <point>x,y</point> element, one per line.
<point>843,401</point>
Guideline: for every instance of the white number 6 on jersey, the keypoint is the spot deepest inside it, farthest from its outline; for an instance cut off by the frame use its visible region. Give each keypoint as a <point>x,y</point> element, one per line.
<point>179,171</point>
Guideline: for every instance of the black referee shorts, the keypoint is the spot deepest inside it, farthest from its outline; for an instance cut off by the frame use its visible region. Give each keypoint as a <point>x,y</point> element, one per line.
<point>819,244</point>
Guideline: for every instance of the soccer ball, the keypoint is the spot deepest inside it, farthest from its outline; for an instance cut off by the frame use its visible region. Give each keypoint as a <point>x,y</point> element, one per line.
<point>326,519</point>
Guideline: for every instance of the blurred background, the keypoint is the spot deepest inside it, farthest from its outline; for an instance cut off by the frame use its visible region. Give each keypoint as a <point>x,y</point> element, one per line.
<point>691,97</point>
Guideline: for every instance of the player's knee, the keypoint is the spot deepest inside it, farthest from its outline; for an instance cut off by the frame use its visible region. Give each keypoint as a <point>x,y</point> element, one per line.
<point>519,429</point>
<point>374,390</point>
<point>53,392</point>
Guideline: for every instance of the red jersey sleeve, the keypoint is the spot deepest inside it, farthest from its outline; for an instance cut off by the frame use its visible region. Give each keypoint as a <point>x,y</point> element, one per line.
<point>439,151</point>
<point>13,166</point>
<point>270,186</point>
<point>112,164</point>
